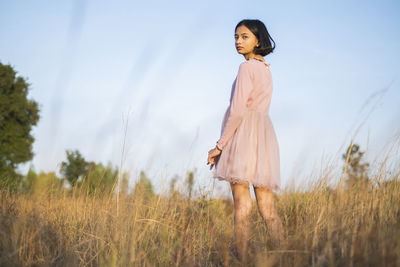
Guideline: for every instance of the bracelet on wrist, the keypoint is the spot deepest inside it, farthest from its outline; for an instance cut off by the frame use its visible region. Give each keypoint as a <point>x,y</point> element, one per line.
<point>218,147</point>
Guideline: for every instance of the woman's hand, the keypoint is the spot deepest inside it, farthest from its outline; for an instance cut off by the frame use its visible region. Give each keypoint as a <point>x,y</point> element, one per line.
<point>213,155</point>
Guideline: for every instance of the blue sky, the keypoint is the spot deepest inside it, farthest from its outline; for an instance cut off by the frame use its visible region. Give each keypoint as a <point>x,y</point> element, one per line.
<point>166,67</point>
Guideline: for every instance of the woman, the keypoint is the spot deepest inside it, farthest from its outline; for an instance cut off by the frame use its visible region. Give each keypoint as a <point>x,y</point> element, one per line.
<point>247,151</point>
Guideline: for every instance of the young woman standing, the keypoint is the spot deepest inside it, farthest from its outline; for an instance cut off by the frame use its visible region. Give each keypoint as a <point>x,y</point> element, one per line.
<point>247,151</point>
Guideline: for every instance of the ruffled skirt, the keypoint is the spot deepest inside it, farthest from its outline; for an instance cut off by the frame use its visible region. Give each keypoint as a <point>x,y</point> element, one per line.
<point>251,156</point>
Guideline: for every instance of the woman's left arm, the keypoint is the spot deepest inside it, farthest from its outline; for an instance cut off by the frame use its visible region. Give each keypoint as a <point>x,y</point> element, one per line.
<point>243,87</point>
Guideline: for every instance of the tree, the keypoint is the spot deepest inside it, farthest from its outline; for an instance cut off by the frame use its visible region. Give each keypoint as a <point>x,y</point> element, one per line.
<point>18,115</point>
<point>124,186</point>
<point>75,168</point>
<point>172,184</point>
<point>143,188</point>
<point>100,179</point>
<point>29,181</point>
<point>356,168</point>
<point>189,183</point>
<point>93,177</point>
<point>43,182</point>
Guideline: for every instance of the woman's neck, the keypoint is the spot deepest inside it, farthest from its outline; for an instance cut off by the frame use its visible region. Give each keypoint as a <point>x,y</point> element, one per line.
<point>252,55</point>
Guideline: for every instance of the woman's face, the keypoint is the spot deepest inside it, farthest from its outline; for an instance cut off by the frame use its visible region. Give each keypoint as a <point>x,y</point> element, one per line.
<point>245,40</point>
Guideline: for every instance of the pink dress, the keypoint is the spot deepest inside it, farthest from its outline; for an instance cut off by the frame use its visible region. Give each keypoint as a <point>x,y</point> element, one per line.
<point>250,151</point>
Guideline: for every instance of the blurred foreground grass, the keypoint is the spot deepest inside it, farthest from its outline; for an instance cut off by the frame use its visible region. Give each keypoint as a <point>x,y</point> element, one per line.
<point>325,226</point>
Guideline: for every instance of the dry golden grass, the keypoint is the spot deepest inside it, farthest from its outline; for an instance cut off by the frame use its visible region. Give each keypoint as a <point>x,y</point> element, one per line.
<point>325,226</point>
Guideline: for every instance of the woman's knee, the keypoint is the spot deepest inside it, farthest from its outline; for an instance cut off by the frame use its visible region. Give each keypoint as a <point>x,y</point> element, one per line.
<point>265,202</point>
<point>243,206</point>
<point>242,200</point>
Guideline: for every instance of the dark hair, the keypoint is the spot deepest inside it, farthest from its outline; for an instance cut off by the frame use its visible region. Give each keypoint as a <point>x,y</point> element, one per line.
<point>258,28</point>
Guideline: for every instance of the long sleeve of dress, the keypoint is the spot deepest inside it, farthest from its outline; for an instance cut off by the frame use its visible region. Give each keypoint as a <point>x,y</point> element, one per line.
<point>243,87</point>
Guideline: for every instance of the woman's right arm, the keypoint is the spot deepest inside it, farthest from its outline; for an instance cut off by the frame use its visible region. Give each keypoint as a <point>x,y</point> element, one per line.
<point>243,87</point>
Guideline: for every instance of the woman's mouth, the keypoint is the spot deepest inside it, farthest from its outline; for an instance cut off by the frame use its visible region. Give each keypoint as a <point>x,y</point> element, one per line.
<point>239,47</point>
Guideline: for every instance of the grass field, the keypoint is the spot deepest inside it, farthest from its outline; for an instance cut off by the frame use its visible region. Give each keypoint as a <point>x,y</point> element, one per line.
<point>325,226</point>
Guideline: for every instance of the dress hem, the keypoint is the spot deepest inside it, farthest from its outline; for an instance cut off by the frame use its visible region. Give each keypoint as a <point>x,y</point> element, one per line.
<point>240,181</point>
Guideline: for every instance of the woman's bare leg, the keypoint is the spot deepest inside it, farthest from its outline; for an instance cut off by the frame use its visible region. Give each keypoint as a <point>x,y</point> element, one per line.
<point>242,203</point>
<point>266,206</point>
